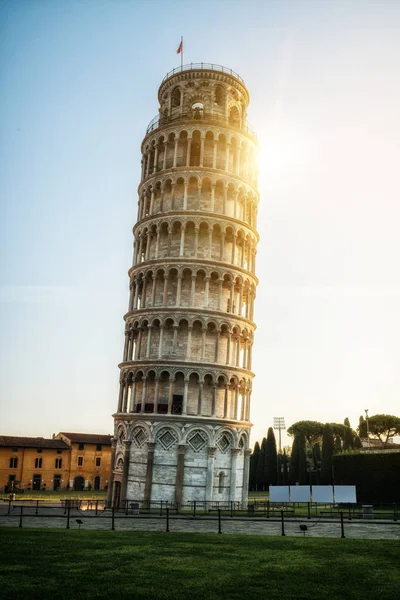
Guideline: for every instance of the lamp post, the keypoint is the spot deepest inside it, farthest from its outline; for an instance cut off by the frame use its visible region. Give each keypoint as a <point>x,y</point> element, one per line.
<point>279,424</point>
<point>366,418</point>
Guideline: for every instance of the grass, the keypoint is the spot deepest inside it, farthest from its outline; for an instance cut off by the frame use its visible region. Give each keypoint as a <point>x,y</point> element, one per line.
<point>170,566</point>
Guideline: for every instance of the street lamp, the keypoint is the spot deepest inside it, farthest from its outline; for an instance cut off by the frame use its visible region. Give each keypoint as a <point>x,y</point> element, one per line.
<point>366,418</point>
<point>279,424</point>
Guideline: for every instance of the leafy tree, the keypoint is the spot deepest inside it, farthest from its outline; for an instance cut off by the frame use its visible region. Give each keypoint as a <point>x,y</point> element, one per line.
<point>362,428</point>
<point>260,467</point>
<point>271,458</point>
<point>384,427</point>
<point>357,443</point>
<point>327,453</point>
<point>311,430</point>
<point>253,466</point>
<point>294,462</point>
<point>337,444</point>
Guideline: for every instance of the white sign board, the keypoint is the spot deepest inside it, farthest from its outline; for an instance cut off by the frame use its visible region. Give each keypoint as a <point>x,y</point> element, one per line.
<point>299,493</point>
<point>322,493</point>
<point>345,493</point>
<point>278,493</point>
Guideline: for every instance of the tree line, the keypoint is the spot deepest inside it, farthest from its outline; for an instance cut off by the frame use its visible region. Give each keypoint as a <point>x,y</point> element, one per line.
<point>314,445</point>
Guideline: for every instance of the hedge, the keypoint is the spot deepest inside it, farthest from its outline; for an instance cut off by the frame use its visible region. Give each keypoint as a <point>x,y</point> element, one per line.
<point>375,475</point>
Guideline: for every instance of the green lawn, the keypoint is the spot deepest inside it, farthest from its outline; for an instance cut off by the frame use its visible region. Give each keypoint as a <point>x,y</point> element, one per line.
<point>171,566</point>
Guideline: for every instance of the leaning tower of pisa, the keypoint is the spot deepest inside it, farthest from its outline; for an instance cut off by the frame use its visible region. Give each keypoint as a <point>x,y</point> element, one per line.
<point>182,423</point>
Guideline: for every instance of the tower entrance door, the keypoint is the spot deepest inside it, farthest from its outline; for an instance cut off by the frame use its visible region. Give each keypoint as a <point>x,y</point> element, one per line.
<point>79,484</point>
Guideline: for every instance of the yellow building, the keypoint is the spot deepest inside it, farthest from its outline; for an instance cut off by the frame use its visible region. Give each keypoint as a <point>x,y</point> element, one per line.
<point>90,460</point>
<point>76,461</point>
<point>33,463</point>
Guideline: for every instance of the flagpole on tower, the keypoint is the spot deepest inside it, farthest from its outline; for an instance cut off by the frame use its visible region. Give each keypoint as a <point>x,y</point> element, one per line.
<point>182,51</point>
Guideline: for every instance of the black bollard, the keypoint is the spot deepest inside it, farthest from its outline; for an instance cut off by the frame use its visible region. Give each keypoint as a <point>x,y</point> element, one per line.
<point>342,525</point>
<point>219,521</point>
<point>69,510</point>
<point>20,516</point>
<point>37,507</point>
<point>161,508</point>
<point>97,506</point>
<point>112,519</point>
<point>167,529</point>
<point>308,507</point>
<point>283,523</point>
<point>194,508</point>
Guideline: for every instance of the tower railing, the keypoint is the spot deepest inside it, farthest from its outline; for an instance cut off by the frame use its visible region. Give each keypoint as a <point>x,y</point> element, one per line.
<point>203,66</point>
<point>204,117</point>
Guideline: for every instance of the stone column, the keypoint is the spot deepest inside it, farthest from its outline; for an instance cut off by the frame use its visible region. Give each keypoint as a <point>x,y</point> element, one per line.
<point>200,399</point>
<point>227,156</point>
<point>124,484</point>
<point>133,396</point>
<point>210,473</point>
<point>138,344</point>
<point>111,480</point>
<point>153,290</point>
<point>131,297</point>
<point>165,156</point>
<point>196,239</point>
<point>203,345</point>
<point>215,150</point>
<point>165,292</point>
<point>148,348</point>
<point>121,393</point>
<point>172,208</point>
<point>246,471</point>
<point>228,349</point>
<point>234,237</point>
<point>189,342</point>
<point>126,346</point>
<point>152,202</point>
<point>135,300</point>
<point>232,491</point>
<point>160,343</point>
<point>175,152</point>
<point>214,400</point>
<point>220,284</point>
<point>144,396</point>
<point>182,244</point>
<point>192,293</point>
<point>226,401</point>
<point>201,150</point>
<point>213,197</point>
<point>207,290</point>
<point>157,242</point>
<point>189,144</point>
<point>175,338</point>
<point>171,389</point>
<point>185,397</point>
<point>155,166</point>
<point>178,291</point>
<point>180,469</point>
<point>125,400</point>
<point>149,472</point>
<point>185,194</point>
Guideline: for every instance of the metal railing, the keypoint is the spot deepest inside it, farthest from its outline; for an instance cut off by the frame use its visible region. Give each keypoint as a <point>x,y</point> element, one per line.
<point>205,67</point>
<point>205,117</point>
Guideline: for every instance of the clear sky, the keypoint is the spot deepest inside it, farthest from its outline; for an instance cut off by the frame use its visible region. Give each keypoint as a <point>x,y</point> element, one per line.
<point>79,84</point>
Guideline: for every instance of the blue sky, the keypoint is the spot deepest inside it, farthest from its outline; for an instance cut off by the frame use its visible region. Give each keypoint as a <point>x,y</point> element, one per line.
<point>79,84</point>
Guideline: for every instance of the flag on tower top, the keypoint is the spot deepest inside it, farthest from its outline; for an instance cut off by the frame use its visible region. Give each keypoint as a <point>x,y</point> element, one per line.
<point>180,47</point>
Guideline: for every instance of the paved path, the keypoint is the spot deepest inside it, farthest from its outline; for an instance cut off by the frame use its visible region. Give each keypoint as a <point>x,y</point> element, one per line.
<point>55,518</point>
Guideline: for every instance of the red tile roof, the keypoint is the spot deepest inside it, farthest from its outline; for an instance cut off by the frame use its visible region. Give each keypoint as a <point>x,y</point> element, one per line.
<point>87,438</point>
<point>32,442</point>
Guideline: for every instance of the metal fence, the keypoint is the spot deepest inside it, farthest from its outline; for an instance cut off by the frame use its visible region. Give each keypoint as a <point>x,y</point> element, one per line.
<point>203,66</point>
<point>206,117</point>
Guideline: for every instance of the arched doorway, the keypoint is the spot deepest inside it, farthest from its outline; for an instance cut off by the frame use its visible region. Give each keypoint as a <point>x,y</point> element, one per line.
<point>79,484</point>
<point>96,483</point>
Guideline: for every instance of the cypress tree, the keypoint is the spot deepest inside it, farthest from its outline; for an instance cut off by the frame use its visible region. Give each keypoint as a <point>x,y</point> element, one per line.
<point>303,475</point>
<point>317,454</point>
<point>253,466</point>
<point>362,428</point>
<point>357,442</point>
<point>260,467</point>
<point>271,458</point>
<point>327,453</point>
<point>347,422</point>
<point>337,445</point>
<point>285,474</point>
<point>348,441</point>
<point>294,462</point>
<point>298,461</point>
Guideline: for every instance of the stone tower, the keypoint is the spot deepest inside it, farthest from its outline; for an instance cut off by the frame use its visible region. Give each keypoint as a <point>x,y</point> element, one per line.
<point>182,423</point>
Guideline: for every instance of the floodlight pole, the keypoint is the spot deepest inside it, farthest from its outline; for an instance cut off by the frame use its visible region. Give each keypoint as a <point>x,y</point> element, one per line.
<point>366,418</point>
<point>279,424</point>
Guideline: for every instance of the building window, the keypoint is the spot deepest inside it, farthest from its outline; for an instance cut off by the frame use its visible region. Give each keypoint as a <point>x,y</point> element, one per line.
<point>58,463</point>
<point>81,446</point>
<point>38,463</point>
<point>98,461</point>
<point>13,462</point>
<point>14,449</point>
<point>59,451</point>
<point>39,450</point>
<point>80,461</point>
<point>98,447</point>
